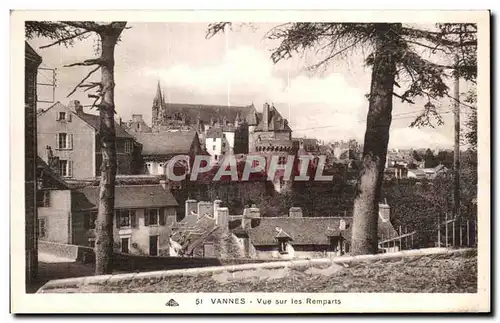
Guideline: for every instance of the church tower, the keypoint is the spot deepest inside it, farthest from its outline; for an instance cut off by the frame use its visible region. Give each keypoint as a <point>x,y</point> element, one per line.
<point>158,107</point>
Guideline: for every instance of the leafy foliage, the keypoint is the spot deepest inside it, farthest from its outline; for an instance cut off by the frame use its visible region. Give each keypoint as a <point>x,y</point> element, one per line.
<point>416,75</point>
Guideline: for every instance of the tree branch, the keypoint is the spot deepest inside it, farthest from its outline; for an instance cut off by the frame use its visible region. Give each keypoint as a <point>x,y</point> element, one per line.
<point>87,62</point>
<point>403,99</point>
<point>84,79</point>
<point>96,97</point>
<point>65,39</point>
<point>87,25</point>
<point>90,86</point>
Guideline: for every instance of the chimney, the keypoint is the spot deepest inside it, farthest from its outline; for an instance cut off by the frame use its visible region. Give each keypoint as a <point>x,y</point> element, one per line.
<point>76,106</point>
<point>205,208</point>
<point>249,214</point>
<point>384,211</point>
<point>265,117</point>
<point>190,211</point>
<point>164,184</point>
<point>217,204</point>
<point>223,218</point>
<point>52,161</point>
<point>295,212</point>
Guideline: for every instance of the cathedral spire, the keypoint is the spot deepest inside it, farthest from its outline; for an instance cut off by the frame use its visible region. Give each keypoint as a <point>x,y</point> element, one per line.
<point>158,97</point>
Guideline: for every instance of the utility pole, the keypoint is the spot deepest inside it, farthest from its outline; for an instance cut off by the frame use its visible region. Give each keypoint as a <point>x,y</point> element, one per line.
<point>456,155</point>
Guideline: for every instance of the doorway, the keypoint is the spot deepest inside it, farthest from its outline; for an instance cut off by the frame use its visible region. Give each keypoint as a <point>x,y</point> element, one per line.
<point>125,242</point>
<point>153,245</point>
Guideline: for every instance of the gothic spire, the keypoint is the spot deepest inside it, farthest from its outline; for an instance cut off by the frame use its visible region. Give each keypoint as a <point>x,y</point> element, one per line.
<point>158,97</point>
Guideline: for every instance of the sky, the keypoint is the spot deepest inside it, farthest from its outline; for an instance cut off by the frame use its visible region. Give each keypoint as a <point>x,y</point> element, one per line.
<point>235,69</point>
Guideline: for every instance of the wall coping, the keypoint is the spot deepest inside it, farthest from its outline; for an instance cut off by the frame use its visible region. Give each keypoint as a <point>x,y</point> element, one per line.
<point>342,260</point>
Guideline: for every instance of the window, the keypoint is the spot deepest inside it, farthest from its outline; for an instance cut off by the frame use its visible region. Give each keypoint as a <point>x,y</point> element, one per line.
<point>42,228</point>
<point>224,135</point>
<point>92,243</point>
<point>282,160</point>
<point>214,141</point>
<point>43,198</point>
<point>64,168</point>
<point>125,218</point>
<point>282,246</point>
<point>128,146</point>
<point>215,156</point>
<point>92,219</point>
<point>62,116</point>
<point>208,250</point>
<point>213,147</point>
<point>153,216</point>
<point>255,163</point>
<point>223,145</point>
<point>62,141</point>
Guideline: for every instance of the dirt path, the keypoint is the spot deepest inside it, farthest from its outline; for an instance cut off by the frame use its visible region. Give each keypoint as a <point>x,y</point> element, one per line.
<point>52,267</point>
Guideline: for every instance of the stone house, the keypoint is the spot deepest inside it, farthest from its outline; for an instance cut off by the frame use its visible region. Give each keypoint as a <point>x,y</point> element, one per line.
<point>53,205</point>
<point>159,147</point>
<point>70,135</point>
<point>143,217</point>
<point>31,60</point>
<point>209,231</point>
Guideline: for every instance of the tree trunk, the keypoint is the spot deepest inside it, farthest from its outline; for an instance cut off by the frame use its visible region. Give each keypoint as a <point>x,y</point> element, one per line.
<point>104,226</point>
<point>365,222</point>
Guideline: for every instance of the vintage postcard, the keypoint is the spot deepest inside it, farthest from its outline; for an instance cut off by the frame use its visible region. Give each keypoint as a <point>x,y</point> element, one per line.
<point>250,161</point>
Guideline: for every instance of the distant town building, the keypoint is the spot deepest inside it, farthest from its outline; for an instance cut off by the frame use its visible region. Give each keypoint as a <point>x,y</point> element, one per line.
<point>137,124</point>
<point>159,147</point>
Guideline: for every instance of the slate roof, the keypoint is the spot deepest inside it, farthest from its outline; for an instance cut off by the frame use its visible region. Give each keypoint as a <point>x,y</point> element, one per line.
<point>206,113</point>
<point>215,133</point>
<point>130,196</point>
<point>190,237</point>
<point>276,122</point>
<point>166,143</point>
<point>303,231</point>
<point>94,121</point>
<point>50,178</point>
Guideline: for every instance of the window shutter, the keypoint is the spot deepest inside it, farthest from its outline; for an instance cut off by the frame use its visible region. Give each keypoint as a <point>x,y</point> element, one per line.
<point>146,217</point>
<point>57,141</point>
<point>57,116</point>
<point>70,141</point>
<point>133,219</point>
<point>86,221</point>
<point>161,217</point>
<point>70,168</point>
<point>69,117</point>
<point>117,219</point>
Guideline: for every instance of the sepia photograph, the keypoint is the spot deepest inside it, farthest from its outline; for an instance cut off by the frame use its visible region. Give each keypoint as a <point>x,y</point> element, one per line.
<point>252,162</point>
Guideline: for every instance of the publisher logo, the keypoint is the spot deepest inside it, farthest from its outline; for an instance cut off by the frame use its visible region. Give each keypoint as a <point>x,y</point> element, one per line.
<point>172,302</point>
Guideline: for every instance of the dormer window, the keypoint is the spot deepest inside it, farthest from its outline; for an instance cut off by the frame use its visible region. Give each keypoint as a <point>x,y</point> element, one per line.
<point>62,116</point>
<point>282,246</point>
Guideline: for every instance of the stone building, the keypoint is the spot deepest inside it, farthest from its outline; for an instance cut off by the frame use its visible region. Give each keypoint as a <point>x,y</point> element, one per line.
<point>208,230</point>
<point>32,60</point>
<point>143,217</point>
<point>159,147</point>
<point>70,135</point>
